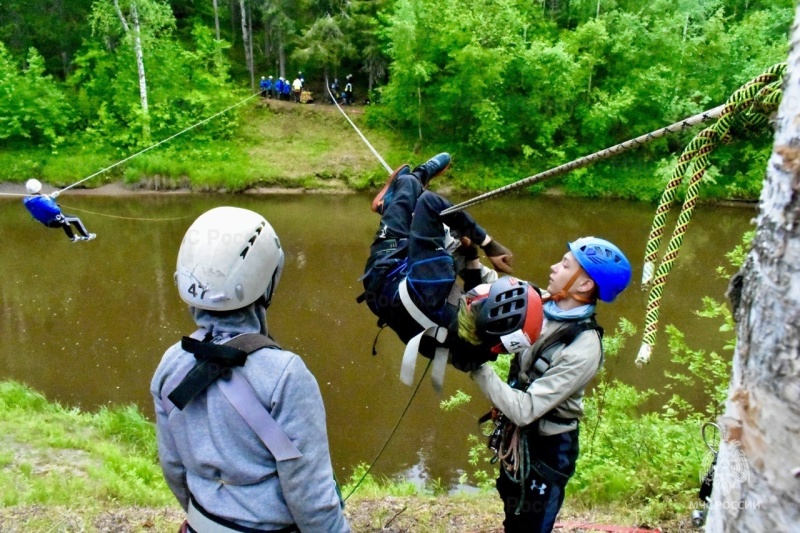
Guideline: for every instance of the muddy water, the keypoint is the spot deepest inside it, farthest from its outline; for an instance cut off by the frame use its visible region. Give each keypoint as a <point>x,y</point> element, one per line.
<point>86,323</point>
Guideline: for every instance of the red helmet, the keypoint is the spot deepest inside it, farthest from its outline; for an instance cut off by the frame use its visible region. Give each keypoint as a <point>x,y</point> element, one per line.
<point>509,315</point>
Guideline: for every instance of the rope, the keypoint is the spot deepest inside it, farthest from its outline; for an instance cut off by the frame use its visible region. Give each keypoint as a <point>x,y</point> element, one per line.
<point>156,144</point>
<point>125,218</point>
<point>374,151</point>
<point>391,434</point>
<point>592,158</point>
<point>747,110</point>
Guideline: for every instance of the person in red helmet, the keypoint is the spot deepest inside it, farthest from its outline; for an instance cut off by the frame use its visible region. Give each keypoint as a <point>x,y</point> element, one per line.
<point>410,280</point>
<point>537,411</point>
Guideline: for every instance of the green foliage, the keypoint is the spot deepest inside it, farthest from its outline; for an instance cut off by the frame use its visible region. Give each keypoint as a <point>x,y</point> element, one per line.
<point>59,456</point>
<point>32,108</point>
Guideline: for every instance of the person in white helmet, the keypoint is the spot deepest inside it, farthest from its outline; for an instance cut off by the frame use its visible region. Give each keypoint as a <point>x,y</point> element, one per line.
<point>248,452</point>
<point>44,208</point>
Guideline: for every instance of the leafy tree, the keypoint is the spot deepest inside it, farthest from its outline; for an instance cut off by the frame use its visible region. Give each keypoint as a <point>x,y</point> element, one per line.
<point>323,44</point>
<point>32,107</point>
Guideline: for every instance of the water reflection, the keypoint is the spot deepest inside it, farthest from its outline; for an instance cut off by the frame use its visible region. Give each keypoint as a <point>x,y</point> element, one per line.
<point>86,323</point>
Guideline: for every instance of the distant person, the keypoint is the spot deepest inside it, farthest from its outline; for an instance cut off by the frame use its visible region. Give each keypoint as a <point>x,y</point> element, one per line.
<point>348,90</point>
<point>287,90</point>
<point>297,89</point>
<point>270,87</point>
<point>44,208</point>
<point>248,452</point>
<point>264,86</point>
<point>279,88</point>
<point>302,79</point>
<point>334,90</point>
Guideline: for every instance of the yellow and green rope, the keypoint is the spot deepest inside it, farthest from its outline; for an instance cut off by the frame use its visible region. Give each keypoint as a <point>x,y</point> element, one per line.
<point>747,110</point>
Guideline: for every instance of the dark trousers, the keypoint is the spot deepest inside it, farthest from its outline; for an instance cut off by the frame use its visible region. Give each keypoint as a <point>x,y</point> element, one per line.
<point>542,493</point>
<point>413,213</point>
<point>64,222</point>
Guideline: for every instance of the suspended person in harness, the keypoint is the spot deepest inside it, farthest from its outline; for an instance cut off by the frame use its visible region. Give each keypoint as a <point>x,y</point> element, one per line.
<point>410,280</point>
<point>44,208</point>
<point>536,413</point>
<point>249,451</point>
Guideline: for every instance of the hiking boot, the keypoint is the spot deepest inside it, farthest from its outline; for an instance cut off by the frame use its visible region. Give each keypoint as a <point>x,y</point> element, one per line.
<point>432,168</point>
<point>384,196</point>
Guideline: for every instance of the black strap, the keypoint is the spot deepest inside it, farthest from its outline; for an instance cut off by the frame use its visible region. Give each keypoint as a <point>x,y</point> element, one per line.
<point>564,336</point>
<point>213,361</point>
<point>236,527</point>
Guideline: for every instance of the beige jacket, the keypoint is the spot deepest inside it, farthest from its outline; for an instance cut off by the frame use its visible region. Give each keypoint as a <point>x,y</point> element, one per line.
<point>559,391</point>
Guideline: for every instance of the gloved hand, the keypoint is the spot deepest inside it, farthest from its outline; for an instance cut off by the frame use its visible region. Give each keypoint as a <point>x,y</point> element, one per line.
<point>470,362</point>
<point>500,256</point>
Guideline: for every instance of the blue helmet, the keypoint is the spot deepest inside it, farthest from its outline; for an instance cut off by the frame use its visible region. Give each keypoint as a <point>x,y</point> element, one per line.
<point>605,264</point>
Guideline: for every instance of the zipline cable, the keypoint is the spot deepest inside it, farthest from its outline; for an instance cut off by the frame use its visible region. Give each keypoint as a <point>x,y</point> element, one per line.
<point>592,158</point>
<point>374,151</point>
<point>389,438</point>
<point>138,219</point>
<point>58,192</point>
<point>748,109</point>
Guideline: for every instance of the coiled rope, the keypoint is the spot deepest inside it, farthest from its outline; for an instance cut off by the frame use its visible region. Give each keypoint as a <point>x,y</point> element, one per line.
<point>746,111</point>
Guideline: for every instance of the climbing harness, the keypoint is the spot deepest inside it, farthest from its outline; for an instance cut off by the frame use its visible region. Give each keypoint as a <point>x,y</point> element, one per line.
<point>707,482</point>
<point>218,360</point>
<point>429,329</point>
<point>591,158</point>
<point>746,111</point>
<point>372,149</point>
<point>508,441</point>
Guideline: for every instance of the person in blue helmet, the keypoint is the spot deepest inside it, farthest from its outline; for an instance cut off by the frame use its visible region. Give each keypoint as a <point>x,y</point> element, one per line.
<point>536,412</point>
<point>44,208</point>
<point>411,284</point>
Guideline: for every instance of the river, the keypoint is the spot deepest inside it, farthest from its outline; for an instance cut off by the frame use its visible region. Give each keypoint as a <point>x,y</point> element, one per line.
<point>87,323</point>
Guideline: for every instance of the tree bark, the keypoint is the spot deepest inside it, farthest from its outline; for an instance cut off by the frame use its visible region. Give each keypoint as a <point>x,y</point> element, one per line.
<point>246,43</point>
<point>137,47</point>
<point>761,423</point>
<point>216,18</point>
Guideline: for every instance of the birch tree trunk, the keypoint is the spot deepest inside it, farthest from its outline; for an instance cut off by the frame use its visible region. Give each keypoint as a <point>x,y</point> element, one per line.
<point>281,55</point>
<point>246,43</point>
<point>757,479</point>
<point>216,17</point>
<point>137,48</point>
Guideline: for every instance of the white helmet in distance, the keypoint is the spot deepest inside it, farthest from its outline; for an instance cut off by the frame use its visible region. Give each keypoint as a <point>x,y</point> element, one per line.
<point>33,186</point>
<point>229,258</point>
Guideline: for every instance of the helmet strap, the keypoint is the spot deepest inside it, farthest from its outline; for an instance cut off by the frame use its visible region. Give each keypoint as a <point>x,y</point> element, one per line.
<point>563,293</point>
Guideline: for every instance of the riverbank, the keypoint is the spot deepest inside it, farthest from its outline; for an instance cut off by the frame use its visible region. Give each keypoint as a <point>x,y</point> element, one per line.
<point>281,147</point>
<point>67,470</point>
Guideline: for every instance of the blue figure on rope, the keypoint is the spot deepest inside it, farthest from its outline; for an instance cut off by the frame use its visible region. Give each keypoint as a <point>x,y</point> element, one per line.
<point>44,208</point>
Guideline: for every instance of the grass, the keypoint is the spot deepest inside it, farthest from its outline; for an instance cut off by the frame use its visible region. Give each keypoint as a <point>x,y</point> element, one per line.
<point>66,470</point>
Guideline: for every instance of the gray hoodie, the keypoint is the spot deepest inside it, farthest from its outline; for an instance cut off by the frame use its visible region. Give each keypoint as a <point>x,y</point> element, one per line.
<point>208,450</point>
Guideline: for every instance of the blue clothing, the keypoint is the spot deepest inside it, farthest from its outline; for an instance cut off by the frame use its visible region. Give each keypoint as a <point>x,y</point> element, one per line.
<point>43,208</point>
<point>279,87</point>
<point>265,85</point>
<point>430,271</point>
<point>287,88</point>
<point>207,449</point>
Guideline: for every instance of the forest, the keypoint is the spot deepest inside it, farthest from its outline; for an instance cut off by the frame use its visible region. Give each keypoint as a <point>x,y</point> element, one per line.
<point>510,86</point>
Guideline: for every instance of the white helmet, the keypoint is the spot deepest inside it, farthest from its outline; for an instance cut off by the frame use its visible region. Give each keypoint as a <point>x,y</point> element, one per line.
<point>33,186</point>
<point>229,258</point>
